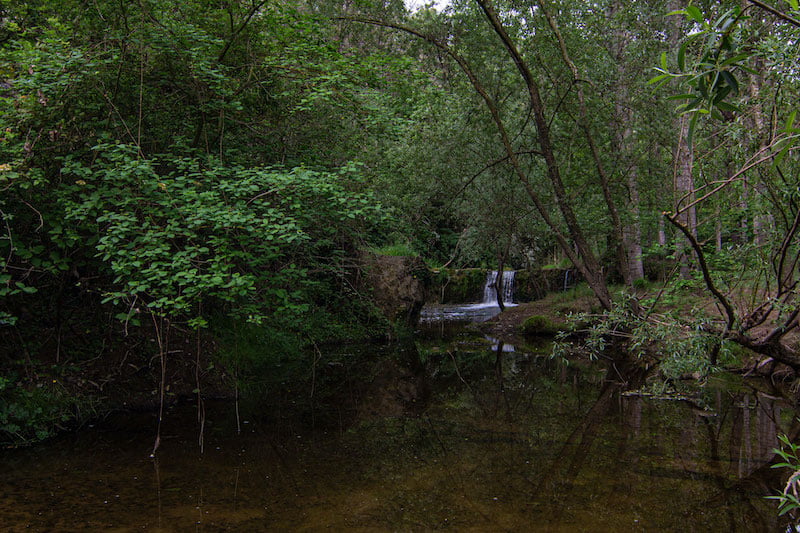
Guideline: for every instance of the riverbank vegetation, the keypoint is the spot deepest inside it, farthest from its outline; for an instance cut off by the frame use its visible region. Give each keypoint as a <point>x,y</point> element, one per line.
<point>184,180</point>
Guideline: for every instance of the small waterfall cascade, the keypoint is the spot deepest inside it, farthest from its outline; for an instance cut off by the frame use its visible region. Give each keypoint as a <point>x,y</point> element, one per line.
<point>489,294</point>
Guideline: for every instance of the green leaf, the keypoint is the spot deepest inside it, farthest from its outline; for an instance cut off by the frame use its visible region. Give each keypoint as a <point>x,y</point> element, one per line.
<point>695,14</point>
<point>730,80</point>
<point>664,61</point>
<point>776,162</point>
<point>727,106</point>
<point>687,96</point>
<point>661,77</point>
<point>682,56</point>
<point>735,59</point>
<point>792,115</point>
<point>692,125</point>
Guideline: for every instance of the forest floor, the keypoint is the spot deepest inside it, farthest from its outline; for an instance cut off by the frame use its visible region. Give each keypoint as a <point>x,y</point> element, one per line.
<point>558,308</point>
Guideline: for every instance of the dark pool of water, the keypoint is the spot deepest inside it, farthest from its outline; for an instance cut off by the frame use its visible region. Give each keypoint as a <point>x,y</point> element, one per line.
<point>441,434</point>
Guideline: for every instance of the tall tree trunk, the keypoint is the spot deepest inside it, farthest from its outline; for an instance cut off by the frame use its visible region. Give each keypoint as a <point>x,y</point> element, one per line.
<point>623,137</point>
<point>683,185</point>
<point>762,222</point>
<point>584,121</point>
<point>662,232</point>
<point>683,162</point>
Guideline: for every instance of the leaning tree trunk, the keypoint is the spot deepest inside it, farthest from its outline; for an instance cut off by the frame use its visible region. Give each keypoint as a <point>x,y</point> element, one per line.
<point>573,242</point>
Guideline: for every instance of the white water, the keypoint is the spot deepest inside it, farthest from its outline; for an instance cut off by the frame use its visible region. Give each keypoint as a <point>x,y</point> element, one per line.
<point>489,292</point>
<point>477,312</point>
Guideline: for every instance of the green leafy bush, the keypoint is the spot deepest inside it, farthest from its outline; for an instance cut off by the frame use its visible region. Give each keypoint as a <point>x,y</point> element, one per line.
<point>788,500</point>
<point>32,414</point>
<point>173,232</point>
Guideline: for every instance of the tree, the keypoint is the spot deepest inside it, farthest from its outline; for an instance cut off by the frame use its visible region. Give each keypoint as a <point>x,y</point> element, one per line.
<point>711,72</point>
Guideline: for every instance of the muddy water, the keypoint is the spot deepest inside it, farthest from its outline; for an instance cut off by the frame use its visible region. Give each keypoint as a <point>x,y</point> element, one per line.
<point>442,434</point>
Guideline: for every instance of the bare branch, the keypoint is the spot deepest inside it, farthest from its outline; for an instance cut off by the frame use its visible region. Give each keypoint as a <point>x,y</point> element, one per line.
<point>763,155</point>
<point>780,15</point>
<point>701,259</point>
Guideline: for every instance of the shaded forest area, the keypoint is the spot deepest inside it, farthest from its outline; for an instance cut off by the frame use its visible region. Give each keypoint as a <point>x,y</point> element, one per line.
<point>199,182</point>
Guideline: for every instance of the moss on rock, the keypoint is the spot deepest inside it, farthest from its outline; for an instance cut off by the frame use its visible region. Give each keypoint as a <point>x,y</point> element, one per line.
<point>539,326</point>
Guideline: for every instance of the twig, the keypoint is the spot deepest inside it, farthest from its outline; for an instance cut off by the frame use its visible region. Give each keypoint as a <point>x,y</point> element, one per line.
<point>780,15</point>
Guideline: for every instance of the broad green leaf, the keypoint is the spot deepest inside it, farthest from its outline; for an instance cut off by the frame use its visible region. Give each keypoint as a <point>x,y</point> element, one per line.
<point>695,14</point>
<point>727,106</point>
<point>776,162</point>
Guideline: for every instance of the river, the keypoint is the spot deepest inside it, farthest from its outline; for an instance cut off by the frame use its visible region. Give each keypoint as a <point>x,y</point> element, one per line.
<point>445,432</point>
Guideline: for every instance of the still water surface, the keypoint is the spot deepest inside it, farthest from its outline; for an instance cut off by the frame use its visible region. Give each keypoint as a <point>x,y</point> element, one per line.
<point>445,433</point>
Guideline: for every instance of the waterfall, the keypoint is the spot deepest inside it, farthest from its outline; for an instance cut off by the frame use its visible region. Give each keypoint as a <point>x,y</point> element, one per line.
<point>489,294</point>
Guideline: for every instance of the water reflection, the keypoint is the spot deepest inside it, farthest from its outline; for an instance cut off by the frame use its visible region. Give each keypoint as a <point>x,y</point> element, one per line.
<point>442,433</point>
<point>500,346</point>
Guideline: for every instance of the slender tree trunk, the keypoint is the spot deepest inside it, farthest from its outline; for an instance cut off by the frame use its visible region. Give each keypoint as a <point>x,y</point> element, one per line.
<point>623,135</point>
<point>683,183</point>
<point>584,122</point>
<point>585,261</point>
<point>683,162</point>
<point>762,222</point>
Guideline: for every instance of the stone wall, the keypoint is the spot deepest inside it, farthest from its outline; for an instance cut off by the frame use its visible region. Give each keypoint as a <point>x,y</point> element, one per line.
<point>461,286</point>
<point>399,286</point>
<point>534,284</point>
<point>457,286</point>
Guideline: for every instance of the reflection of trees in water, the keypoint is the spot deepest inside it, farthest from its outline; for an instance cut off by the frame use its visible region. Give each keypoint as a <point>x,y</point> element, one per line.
<point>725,454</point>
<point>533,430</point>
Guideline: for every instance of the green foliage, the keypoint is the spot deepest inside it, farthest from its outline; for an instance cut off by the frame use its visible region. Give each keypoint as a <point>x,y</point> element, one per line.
<point>34,413</point>
<point>579,291</point>
<point>712,74</point>
<point>174,232</point>
<point>458,285</point>
<point>788,500</point>
<point>679,345</point>
<point>397,250</point>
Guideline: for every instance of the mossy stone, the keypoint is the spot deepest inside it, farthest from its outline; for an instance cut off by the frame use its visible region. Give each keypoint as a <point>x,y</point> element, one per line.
<point>539,326</point>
